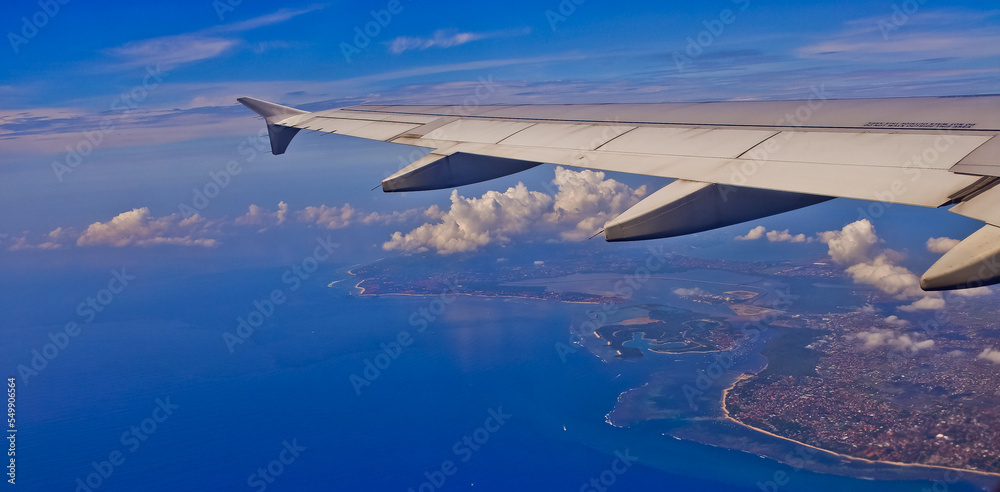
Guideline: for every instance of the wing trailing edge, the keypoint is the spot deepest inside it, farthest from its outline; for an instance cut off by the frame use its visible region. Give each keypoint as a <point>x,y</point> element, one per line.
<point>734,161</point>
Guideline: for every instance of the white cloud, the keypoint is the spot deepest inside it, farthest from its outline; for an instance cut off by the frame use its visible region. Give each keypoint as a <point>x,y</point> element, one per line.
<point>754,234</point>
<point>990,354</point>
<point>856,246</point>
<point>168,52</point>
<point>257,216</point>
<point>398,217</point>
<point>471,223</point>
<point>584,202</point>
<point>855,243</point>
<point>941,244</point>
<point>924,304</point>
<point>926,34</point>
<point>445,38</point>
<point>895,321</point>
<point>774,236</point>
<point>328,217</point>
<point>689,292</point>
<point>785,237</point>
<point>139,228</point>
<point>52,240</point>
<point>265,20</point>
<point>903,343</point>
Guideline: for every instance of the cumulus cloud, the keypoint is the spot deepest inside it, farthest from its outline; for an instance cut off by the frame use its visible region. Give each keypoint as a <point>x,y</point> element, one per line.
<point>901,342</point>
<point>341,217</point>
<point>990,354</point>
<point>397,217</point>
<point>924,304</point>
<point>774,236</point>
<point>785,237</point>
<point>754,234</point>
<point>895,321</point>
<point>584,202</point>
<point>689,292</point>
<point>258,216</point>
<point>328,217</point>
<point>472,223</point>
<point>139,228</point>
<point>941,245</point>
<point>857,246</point>
<point>52,240</point>
<point>855,243</point>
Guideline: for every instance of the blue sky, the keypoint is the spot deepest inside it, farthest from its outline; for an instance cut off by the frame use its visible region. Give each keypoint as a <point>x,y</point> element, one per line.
<point>163,79</point>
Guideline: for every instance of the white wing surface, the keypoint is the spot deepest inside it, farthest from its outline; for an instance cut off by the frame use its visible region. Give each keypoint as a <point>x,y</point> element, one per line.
<point>733,161</point>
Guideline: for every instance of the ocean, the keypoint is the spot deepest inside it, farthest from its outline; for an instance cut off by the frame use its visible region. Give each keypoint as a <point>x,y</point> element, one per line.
<point>339,392</point>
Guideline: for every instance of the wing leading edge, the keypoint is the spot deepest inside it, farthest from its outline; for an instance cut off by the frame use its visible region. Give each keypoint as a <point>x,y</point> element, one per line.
<point>733,161</point>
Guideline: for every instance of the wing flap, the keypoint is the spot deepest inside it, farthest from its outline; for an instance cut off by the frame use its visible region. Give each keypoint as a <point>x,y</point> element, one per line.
<point>984,206</point>
<point>868,149</point>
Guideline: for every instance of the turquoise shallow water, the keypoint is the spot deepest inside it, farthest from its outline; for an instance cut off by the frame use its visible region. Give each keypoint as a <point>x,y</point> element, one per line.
<point>290,382</point>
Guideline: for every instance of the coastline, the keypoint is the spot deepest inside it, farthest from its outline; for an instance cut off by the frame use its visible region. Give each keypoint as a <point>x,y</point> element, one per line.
<point>728,417</point>
<point>463,294</point>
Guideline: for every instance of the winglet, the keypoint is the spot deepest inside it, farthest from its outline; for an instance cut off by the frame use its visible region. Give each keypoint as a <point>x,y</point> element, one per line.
<point>280,136</point>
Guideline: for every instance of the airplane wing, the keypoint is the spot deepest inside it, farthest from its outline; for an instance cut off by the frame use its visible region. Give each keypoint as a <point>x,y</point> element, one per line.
<point>732,161</point>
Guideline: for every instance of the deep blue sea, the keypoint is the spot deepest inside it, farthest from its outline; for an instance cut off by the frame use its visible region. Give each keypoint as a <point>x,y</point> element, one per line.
<point>480,400</point>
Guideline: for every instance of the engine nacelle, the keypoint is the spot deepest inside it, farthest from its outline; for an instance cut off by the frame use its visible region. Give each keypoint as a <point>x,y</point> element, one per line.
<point>686,207</point>
<point>436,172</point>
<point>974,262</point>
